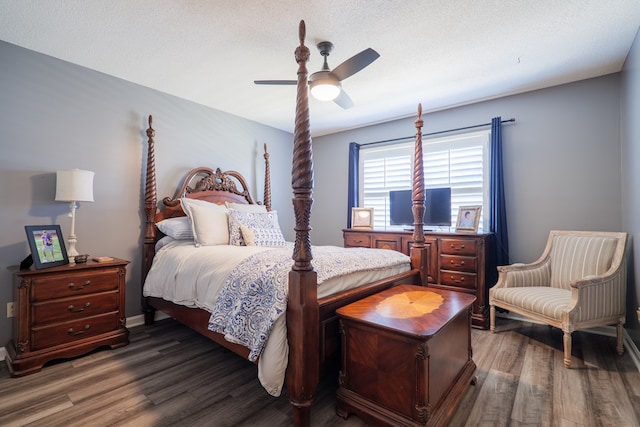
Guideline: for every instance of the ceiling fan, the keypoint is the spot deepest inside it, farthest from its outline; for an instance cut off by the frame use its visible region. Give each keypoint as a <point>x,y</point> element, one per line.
<point>325,84</point>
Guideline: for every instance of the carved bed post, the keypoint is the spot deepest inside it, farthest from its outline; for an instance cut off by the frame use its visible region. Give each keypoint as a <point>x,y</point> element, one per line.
<point>302,311</point>
<point>150,206</point>
<point>418,251</point>
<point>267,180</point>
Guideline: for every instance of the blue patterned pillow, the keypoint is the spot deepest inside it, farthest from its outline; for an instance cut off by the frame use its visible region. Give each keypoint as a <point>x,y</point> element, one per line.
<point>254,229</point>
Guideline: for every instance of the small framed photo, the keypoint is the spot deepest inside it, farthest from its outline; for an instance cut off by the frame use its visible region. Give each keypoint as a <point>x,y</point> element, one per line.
<point>47,245</point>
<point>362,218</point>
<point>468,218</point>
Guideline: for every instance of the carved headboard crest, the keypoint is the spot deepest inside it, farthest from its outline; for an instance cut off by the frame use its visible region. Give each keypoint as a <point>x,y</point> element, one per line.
<point>219,181</point>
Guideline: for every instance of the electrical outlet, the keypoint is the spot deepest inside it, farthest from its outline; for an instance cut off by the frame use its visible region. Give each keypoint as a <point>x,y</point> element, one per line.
<point>10,309</point>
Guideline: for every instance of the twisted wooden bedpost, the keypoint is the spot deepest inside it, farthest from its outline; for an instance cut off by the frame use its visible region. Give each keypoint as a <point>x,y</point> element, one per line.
<point>267,180</point>
<point>418,251</point>
<point>302,312</point>
<point>150,206</point>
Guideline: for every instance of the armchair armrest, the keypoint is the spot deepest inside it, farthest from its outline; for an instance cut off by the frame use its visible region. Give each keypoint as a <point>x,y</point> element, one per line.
<point>606,292</point>
<point>524,275</point>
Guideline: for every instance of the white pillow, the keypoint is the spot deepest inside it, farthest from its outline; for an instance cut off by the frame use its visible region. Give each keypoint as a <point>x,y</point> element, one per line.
<point>245,207</point>
<point>208,222</point>
<point>179,228</point>
<point>254,228</point>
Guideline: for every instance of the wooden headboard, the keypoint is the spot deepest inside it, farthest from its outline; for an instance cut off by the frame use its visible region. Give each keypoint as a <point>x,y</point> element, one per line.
<point>201,183</point>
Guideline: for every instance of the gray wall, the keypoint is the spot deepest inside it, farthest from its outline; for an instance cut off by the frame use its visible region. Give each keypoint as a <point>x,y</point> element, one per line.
<point>630,137</point>
<point>561,161</point>
<point>56,115</point>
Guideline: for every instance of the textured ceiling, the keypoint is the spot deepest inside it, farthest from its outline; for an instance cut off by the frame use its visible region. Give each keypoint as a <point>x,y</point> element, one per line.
<point>438,52</point>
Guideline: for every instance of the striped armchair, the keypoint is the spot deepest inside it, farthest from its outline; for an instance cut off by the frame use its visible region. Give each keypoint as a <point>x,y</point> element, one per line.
<point>579,282</point>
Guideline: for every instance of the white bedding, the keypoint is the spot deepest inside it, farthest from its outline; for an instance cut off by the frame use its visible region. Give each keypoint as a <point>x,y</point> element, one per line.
<point>193,277</point>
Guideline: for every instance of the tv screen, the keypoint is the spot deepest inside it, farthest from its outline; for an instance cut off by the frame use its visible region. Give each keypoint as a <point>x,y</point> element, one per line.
<point>437,207</point>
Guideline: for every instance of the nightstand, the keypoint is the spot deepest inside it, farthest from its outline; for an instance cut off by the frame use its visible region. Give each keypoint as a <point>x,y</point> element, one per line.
<point>66,311</point>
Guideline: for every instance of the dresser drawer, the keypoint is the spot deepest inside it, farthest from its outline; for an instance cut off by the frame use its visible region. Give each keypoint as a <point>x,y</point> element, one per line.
<point>63,309</point>
<point>357,240</point>
<point>72,284</point>
<point>458,246</point>
<point>65,332</point>
<point>459,263</point>
<point>461,280</point>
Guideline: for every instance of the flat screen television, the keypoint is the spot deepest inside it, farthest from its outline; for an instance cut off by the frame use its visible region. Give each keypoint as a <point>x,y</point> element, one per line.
<point>437,207</point>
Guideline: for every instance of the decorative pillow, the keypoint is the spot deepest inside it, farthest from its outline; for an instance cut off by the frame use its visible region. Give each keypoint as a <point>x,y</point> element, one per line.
<point>178,228</point>
<point>245,207</point>
<point>208,222</point>
<point>254,229</point>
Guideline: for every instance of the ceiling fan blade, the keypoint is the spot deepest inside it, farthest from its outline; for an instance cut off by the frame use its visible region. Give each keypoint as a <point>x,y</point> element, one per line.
<point>275,82</point>
<point>355,63</point>
<point>344,100</point>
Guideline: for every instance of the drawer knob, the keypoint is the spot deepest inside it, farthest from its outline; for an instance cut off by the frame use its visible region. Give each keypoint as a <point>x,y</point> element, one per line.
<point>84,285</point>
<point>73,309</point>
<point>71,331</point>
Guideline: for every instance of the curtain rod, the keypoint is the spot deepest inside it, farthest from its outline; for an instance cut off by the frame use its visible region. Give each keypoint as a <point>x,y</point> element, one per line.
<point>511,120</point>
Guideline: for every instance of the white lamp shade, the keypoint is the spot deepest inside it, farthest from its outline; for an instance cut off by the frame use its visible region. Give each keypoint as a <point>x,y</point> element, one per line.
<point>74,185</point>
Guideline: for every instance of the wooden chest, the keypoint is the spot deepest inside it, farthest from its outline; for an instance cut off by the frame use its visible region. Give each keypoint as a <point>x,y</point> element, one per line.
<point>66,311</point>
<point>406,356</point>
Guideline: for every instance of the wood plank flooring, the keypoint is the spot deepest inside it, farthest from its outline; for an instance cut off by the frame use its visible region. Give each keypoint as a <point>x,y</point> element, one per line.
<point>171,376</point>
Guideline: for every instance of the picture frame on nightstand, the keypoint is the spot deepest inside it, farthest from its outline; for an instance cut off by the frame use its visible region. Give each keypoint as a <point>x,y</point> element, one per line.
<point>47,245</point>
<point>362,218</point>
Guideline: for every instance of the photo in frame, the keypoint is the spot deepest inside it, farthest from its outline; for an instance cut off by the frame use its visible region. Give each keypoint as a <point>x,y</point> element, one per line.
<point>362,218</point>
<point>47,245</point>
<point>468,218</point>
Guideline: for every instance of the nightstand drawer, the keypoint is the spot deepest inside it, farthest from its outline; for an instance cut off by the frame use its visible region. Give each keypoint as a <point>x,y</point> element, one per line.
<point>357,240</point>
<point>61,333</point>
<point>74,308</point>
<point>458,246</point>
<point>459,263</point>
<point>461,280</point>
<point>72,284</point>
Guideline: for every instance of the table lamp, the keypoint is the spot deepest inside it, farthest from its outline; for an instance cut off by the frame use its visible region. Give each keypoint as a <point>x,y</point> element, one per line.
<point>73,185</point>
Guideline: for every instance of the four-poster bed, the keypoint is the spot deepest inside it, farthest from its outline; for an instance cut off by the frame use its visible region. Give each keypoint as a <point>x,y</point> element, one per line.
<point>311,322</point>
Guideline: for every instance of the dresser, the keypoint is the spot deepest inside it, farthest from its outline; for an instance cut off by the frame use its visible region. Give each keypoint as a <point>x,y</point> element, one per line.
<point>462,262</point>
<point>66,311</point>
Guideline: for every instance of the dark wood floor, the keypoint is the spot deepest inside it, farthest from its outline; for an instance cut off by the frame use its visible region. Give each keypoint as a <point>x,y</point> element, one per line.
<point>170,376</point>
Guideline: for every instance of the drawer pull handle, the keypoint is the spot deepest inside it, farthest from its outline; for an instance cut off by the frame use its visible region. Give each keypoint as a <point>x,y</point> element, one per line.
<point>84,285</point>
<point>454,263</point>
<point>459,280</point>
<point>454,246</point>
<point>73,309</point>
<point>71,331</point>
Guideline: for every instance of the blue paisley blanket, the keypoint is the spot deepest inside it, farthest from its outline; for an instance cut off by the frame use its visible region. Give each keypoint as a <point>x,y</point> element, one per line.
<point>254,294</point>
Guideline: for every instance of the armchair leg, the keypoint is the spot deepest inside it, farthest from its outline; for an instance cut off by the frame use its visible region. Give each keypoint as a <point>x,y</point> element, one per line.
<point>567,349</point>
<point>619,339</point>
<point>492,318</point>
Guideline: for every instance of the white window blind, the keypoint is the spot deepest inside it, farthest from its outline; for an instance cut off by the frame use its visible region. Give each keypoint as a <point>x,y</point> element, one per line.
<point>459,161</point>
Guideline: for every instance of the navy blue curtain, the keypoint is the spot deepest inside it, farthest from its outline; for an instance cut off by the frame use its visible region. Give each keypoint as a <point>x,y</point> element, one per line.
<point>354,162</point>
<point>498,211</point>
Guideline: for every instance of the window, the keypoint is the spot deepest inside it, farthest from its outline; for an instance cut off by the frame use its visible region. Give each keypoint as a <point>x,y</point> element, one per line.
<point>460,162</point>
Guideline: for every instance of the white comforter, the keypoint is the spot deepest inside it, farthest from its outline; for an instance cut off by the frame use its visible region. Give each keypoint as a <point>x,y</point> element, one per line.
<point>193,276</point>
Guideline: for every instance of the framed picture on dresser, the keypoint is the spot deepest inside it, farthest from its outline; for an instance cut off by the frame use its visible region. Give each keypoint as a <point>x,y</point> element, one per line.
<point>47,245</point>
<point>468,218</point>
<point>362,218</point>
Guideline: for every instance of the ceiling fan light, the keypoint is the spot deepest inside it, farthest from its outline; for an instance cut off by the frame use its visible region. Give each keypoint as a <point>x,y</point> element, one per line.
<point>325,91</point>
